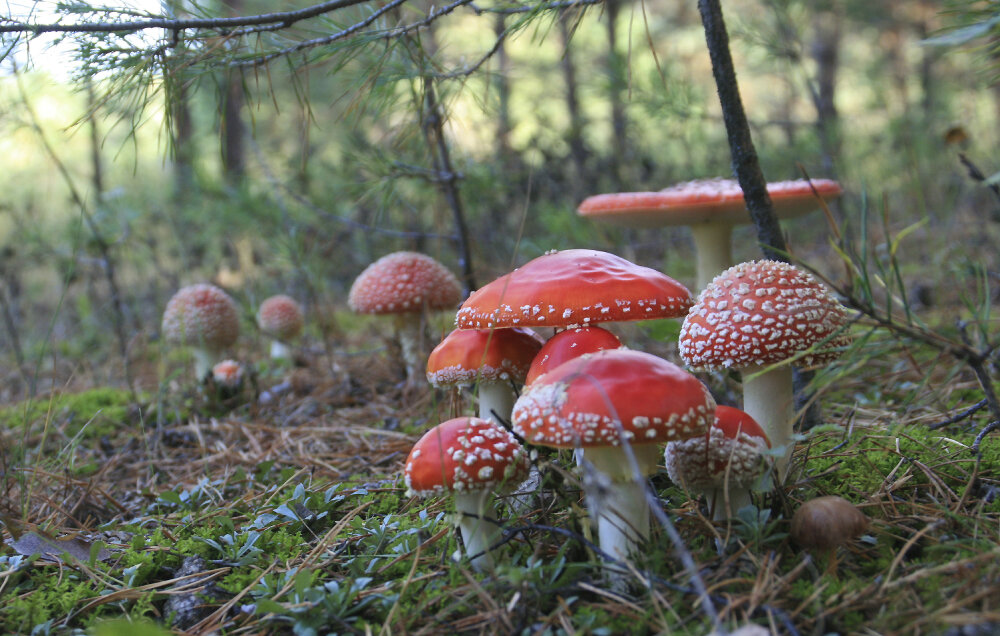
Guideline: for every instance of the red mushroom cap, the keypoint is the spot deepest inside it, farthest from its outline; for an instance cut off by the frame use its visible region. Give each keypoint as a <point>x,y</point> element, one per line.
<point>704,200</point>
<point>570,344</point>
<point>582,401</point>
<point>201,316</point>
<point>734,443</point>
<point>228,374</point>
<point>404,282</point>
<point>464,454</point>
<point>280,316</point>
<point>574,288</point>
<point>761,312</point>
<point>485,355</point>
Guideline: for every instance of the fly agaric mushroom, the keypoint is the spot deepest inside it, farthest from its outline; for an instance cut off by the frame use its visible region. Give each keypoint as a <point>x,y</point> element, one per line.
<point>470,458</point>
<point>280,318</point>
<point>492,359</point>
<point>753,317</point>
<point>574,288</point>
<point>405,285</point>
<point>606,402</point>
<point>826,523</point>
<point>710,207</point>
<point>204,318</point>
<point>724,461</point>
<point>570,344</point>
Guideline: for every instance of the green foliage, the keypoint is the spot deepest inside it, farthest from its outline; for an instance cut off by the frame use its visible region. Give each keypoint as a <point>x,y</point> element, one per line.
<point>91,414</point>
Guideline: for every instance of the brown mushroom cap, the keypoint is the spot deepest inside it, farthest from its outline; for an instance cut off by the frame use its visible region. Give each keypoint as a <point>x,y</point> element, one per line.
<point>598,398</point>
<point>574,288</point>
<point>761,312</point>
<point>704,201</point>
<point>404,282</point>
<point>733,445</point>
<point>464,454</point>
<point>281,317</point>
<point>827,522</point>
<point>201,316</point>
<point>466,356</point>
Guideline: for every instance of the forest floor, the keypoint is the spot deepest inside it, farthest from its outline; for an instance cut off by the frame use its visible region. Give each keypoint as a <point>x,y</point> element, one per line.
<point>283,510</point>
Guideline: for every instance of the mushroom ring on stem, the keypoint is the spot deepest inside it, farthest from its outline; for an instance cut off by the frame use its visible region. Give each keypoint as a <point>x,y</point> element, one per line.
<point>755,317</point>
<point>619,406</point>
<point>470,458</point>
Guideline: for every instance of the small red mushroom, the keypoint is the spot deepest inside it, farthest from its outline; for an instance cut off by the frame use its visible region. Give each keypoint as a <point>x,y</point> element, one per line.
<point>753,317</point>
<point>726,460</point>
<point>495,360</point>
<point>280,318</point>
<point>405,285</point>
<point>470,458</point>
<point>711,207</point>
<point>204,318</point>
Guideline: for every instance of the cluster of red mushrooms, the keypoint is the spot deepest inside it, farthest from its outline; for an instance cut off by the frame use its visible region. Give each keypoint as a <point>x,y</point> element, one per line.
<point>622,411</point>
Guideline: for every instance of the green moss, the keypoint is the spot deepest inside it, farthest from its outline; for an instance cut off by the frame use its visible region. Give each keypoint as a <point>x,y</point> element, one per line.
<point>95,413</point>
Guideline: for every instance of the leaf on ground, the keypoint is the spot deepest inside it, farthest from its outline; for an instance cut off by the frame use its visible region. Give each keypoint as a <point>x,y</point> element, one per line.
<point>32,543</point>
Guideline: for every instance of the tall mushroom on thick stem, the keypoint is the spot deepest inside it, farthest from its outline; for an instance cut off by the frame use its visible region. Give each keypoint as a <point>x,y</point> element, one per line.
<point>754,317</point>
<point>204,318</point>
<point>470,458</point>
<point>617,405</point>
<point>405,285</point>
<point>710,207</point>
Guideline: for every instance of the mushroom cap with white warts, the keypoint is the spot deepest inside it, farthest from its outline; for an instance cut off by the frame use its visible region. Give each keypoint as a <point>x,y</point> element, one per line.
<point>761,313</point>
<point>602,398</point>
<point>201,316</point>
<point>464,454</point>
<point>732,448</point>
<point>466,356</point>
<point>572,288</point>
<point>280,317</point>
<point>404,282</point>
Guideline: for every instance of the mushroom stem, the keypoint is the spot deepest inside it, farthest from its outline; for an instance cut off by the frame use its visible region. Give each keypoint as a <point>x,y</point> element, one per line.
<point>713,246</point>
<point>496,397</point>
<point>203,362</point>
<point>767,398</point>
<point>478,526</point>
<point>620,507</point>
<point>409,328</point>
<point>739,497</point>
<point>280,351</point>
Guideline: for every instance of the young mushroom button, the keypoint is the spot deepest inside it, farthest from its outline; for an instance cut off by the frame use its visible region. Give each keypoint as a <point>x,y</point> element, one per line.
<point>470,458</point>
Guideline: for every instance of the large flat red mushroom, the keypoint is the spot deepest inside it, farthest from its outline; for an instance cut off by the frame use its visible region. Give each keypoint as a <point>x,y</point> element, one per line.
<point>710,207</point>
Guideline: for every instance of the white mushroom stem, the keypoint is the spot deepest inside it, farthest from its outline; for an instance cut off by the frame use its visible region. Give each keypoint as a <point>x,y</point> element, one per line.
<point>617,495</point>
<point>739,497</point>
<point>496,397</point>
<point>280,351</point>
<point>478,526</point>
<point>409,330</point>
<point>767,398</point>
<point>713,247</point>
<point>204,360</point>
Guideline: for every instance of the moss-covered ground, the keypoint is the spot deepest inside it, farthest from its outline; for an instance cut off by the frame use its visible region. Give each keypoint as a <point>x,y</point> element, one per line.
<point>287,514</point>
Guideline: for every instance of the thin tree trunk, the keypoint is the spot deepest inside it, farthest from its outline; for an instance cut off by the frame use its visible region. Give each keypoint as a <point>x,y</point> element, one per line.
<point>619,124</point>
<point>577,148</point>
<point>179,112</point>
<point>825,52</point>
<point>233,129</point>
<point>97,169</point>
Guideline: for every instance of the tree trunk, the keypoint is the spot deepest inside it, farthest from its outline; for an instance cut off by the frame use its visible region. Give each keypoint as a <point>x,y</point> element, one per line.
<point>97,168</point>
<point>179,113</point>
<point>233,129</point>
<point>617,85</point>
<point>577,148</point>
<point>825,52</point>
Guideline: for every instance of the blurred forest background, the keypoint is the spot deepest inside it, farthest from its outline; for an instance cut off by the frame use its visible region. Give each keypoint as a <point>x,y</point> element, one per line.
<point>131,165</point>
